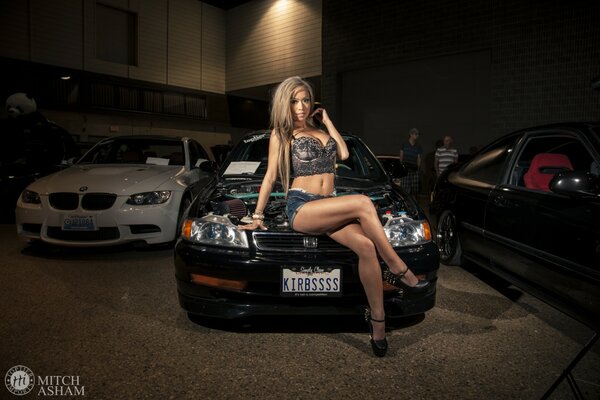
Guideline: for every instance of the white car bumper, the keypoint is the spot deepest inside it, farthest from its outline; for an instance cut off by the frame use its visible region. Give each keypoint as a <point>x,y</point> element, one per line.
<point>121,223</point>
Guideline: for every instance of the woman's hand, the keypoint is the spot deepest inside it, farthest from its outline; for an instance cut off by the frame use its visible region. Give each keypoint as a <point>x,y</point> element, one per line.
<point>256,223</point>
<point>342,149</point>
<point>320,114</point>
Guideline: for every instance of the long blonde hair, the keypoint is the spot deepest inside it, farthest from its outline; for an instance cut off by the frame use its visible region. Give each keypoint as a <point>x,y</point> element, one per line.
<point>282,122</point>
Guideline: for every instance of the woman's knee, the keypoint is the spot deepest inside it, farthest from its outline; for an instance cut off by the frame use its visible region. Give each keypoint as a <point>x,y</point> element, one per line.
<point>365,205</point>
<point>364,247</point>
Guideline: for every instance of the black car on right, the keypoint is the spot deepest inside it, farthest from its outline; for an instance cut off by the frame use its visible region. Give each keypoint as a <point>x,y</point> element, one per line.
<point>527,208</point>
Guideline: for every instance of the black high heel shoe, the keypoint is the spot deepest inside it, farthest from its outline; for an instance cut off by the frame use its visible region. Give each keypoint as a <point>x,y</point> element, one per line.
<point>396,280</point>
<point>379,346</point>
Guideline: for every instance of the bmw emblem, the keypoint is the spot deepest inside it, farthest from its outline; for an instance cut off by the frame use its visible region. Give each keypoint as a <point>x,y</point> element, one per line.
<point>83,188</point>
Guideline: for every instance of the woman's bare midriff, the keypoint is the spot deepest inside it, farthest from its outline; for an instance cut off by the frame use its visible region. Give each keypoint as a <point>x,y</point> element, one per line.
<point>322,184</point>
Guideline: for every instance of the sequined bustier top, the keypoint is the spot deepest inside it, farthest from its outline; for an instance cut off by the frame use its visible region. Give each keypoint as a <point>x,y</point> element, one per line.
<point>310,157</point>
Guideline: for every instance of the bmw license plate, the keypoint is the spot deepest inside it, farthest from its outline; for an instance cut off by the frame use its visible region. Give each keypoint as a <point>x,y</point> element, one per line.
<point>311,281</point>
<point>79,223</point>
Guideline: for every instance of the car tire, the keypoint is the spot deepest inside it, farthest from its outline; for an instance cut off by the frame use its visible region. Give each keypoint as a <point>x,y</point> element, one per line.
<point>447,239</point>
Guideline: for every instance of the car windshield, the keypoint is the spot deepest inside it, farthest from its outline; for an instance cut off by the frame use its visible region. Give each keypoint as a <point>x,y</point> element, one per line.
<point>249,158</point>
<point>136,151</point>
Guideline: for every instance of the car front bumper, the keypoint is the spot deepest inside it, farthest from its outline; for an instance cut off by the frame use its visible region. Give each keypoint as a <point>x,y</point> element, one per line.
<point>121,223</point>
<point>261,272</point>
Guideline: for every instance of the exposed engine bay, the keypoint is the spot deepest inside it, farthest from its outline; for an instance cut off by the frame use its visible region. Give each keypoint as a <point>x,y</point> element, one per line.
<point>237,201</point>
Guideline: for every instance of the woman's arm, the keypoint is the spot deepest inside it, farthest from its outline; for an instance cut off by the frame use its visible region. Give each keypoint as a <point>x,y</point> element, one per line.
<point>267,184</point>
<point>342,149</point>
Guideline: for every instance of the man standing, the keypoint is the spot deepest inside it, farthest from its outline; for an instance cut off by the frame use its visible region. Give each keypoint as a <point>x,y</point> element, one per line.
<point>410,155</point>
<point>445,155</point>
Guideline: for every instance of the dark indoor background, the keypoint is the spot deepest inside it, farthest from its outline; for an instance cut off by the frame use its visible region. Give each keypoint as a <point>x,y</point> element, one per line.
<point>471,69</point>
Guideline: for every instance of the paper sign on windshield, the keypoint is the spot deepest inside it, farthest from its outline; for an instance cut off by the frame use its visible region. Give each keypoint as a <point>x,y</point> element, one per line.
<point>157,161</point>
<point>242,167</point>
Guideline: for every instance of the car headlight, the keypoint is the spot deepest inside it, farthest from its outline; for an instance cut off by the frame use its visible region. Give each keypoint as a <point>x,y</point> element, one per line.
<point>402,231</point>
<point>214,230</point>
<point>147,198</point>
<point>30,197</point>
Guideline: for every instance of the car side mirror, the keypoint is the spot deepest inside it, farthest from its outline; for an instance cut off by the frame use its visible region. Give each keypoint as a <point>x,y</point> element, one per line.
<point>68,162</point>
<point>576,183</point>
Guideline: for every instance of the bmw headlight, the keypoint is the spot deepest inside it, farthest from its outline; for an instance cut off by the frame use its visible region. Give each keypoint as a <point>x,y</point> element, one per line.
<point>214,230</point>
<point>30,197</point>
<point>402,231</point>
<point>147,198</point>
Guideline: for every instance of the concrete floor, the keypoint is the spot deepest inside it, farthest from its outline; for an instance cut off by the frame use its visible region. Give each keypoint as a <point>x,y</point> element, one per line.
<point>110,317</point>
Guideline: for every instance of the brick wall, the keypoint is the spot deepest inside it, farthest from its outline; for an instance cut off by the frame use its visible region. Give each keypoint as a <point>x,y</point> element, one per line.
<point>544,54</point>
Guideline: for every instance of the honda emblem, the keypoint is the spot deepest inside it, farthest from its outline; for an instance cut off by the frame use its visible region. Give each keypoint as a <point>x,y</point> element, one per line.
<point>311,242</point>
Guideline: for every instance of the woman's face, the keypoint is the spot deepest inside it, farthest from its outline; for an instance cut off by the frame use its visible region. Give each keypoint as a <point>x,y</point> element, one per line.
<point>300,105</point>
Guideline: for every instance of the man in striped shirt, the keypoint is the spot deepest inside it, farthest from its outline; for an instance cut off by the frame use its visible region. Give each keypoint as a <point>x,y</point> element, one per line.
<point>445,155</point>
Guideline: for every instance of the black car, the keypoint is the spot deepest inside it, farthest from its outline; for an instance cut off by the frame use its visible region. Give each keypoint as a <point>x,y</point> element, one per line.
<point>31,149</point>
<point>226,272</point>
<point>527,207</point>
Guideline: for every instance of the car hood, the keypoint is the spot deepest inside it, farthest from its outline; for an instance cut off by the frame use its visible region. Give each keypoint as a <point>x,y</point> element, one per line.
<point>110,178</point>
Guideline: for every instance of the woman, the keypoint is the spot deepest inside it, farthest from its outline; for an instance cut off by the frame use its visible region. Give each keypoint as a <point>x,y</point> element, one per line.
<point>311,203</point>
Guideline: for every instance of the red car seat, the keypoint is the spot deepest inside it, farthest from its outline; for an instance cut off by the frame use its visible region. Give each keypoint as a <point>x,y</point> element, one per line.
<point>543,168</point>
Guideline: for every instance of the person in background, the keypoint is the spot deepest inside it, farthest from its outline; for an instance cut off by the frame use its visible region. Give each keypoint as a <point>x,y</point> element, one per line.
<point>429,168</point>
<point>312,204</point>
<point>445,155</point>
<point>410,155</point>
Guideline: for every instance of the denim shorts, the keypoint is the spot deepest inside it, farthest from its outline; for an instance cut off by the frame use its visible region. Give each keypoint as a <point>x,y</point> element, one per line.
<point>296,199</point>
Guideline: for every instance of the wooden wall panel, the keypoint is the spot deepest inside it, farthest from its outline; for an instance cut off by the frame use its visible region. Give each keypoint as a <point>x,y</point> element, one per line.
<point>213,49</point>
<point>90,62</point>
<point>56,32</point>
<point>152,42</point>
<point>14,29</point>
<point>269,40</point>
<point>185,43</point>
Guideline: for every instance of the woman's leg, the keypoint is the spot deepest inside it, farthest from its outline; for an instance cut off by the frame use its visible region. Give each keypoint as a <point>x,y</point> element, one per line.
<point>327,215</point>
<point>369,271</point>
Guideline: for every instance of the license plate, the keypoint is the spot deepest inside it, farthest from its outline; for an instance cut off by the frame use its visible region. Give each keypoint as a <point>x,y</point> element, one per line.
<point>79,223</point>
<point>312,281</point>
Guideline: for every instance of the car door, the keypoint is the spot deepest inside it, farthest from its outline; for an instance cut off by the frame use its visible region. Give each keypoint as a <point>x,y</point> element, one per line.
<point>547,241</point>
<point>472,185</point>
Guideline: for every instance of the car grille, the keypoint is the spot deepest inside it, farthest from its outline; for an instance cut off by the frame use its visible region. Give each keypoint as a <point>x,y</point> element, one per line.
<point>90,201</point>
<point>98,201</point>
<point>293,242</point>
<point>55,232</point>
<point>64,201</point>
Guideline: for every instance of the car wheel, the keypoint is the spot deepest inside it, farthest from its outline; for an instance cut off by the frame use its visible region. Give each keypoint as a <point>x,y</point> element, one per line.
<point>185,203</point>
<point>447,239</point>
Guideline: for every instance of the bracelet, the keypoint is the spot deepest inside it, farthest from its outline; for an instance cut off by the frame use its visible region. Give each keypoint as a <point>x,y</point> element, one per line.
<point>259,217</point>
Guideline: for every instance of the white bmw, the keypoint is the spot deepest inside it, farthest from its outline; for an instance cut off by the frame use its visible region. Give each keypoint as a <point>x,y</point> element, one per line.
<point>124,189</point>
